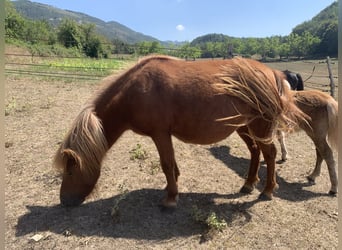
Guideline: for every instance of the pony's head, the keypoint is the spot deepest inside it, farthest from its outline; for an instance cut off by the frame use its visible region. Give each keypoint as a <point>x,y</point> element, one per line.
<point>79,158</point>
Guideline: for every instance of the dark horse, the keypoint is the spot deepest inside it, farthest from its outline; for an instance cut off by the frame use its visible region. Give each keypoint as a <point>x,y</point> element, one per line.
<point>295,80</point>
<point>199,102</point>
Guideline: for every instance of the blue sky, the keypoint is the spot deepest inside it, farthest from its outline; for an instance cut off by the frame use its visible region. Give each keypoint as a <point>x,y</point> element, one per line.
<point>184,20</point>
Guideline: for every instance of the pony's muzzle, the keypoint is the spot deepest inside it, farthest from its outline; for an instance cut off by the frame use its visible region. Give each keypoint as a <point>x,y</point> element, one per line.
<point>71,201</point>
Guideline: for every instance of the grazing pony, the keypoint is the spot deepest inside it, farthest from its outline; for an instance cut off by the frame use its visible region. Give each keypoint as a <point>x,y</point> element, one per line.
<point>295,80</point>
<point>322,128</point>
<point>199,102</point>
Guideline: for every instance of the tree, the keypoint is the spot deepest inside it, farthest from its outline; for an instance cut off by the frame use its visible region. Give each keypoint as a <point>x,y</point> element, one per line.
<point>328,32</point>
<point>39,32</point>
<point>69,34</point>
<point>188,51</point>
<point>91,43</point>
<point>14,22</point>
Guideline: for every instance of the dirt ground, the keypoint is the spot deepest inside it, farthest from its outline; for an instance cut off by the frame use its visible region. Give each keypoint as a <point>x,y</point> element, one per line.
<point>124,211</point>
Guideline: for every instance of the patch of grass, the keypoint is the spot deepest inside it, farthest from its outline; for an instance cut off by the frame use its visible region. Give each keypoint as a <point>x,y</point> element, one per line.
<point>114,213</point>
<point>10,106</point>
<point>154,167</point>
<point>216,223</point>
<point>100,66</point>
<point>211,221</point>
<point>138,153</point>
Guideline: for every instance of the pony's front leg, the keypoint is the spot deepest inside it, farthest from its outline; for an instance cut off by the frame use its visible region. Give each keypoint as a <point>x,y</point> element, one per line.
<point>252,177</point>
<point>167,160</point>
<point>269,152</point>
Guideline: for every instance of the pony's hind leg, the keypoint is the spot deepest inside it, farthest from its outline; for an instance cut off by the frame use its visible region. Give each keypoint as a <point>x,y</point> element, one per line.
<point>252,176</point>
<point>169,166</point>
<point>269,152</point>
<point>262,132</point>
<point>317,170</point>
<point>323,150</point>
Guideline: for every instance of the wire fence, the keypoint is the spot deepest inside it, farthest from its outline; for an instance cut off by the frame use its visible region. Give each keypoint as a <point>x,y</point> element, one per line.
<point>314,72</point>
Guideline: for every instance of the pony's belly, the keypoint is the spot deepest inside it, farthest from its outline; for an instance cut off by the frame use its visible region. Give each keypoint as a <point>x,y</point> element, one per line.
<point>207,135</point>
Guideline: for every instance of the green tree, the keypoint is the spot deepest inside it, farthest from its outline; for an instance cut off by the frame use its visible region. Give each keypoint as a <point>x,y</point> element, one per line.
<point>155,47</point>
<point>188,51</point>
<point>328,32</point>
<point>92,44</point>
<point>14,22</point>
<point>39,32</point>
<point>69,34</point>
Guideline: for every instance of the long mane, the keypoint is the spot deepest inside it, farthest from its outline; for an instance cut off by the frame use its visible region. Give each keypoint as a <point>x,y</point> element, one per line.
<point>253,84</point>
<point>85,142</point>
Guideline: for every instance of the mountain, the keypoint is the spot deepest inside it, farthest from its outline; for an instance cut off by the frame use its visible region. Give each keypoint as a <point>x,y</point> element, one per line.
<point>111,30</point>
<point>325,26</point>
<point>328,15</point>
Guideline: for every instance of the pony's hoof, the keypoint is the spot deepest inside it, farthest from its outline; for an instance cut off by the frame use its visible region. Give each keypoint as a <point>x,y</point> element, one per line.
<point>246,190</point>
<point>169,203</point>
<point>281,161</point>
<point>265,197</point>
<point>311,180</point>
<point>166,209</point>
<point>333,193</point>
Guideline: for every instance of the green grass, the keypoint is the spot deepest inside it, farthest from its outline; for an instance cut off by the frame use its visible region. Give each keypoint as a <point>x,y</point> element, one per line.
<point>86,64</point>
<point>211,220</point>
<point>138,153</point>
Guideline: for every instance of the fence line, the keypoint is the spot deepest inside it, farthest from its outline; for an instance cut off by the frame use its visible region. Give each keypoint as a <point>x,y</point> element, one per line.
<point>18,64</point>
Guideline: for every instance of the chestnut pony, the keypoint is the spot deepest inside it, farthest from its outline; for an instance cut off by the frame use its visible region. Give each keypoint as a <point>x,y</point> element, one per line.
<point>322,128</point>
<point>199,102</point>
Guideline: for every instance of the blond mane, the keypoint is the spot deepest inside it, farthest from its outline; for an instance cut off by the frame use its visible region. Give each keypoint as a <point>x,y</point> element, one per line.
<point>85,142</point>
<point>251,83</point>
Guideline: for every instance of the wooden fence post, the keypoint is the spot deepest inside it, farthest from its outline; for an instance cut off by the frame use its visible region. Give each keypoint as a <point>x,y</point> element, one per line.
<point>332,84</point>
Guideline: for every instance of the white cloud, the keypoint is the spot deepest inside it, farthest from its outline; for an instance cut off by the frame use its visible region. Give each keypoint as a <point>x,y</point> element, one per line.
<point>180,27</point>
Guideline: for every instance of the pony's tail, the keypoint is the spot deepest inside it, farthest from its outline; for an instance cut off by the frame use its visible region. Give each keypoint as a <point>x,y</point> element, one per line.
<point>332,109</point>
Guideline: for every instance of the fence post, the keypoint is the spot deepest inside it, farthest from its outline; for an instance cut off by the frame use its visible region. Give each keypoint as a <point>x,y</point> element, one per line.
<point>332,84</point>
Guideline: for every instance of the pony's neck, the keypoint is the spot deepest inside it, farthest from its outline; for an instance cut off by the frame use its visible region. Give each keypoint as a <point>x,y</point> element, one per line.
<point>109,109</point>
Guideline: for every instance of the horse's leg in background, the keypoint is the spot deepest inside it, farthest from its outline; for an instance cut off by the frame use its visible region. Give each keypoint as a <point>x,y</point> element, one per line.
<point>281,139</point>
<point>163,143</point>
<point>252,176</point>
<point>324,151</point>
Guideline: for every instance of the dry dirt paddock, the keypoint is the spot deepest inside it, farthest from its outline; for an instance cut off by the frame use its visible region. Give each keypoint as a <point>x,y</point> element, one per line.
<point>124,211</point>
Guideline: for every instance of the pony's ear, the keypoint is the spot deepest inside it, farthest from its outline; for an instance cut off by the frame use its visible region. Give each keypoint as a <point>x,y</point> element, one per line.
<point>69,154</point>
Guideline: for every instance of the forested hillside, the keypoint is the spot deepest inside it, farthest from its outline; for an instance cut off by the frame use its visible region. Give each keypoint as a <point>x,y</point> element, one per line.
<point>54,16</point>
<point>325,27</point>
<point>59,31</point>
<point>314,38</point>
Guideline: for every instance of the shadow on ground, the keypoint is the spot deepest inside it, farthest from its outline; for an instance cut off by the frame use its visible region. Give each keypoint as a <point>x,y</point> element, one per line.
<point>137,216</point>
<point>287,191</point>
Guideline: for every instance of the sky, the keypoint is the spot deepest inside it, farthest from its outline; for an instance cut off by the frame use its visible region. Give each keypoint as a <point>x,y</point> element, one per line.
<point>184,20</point>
